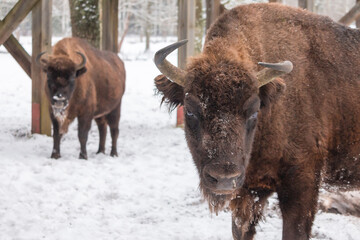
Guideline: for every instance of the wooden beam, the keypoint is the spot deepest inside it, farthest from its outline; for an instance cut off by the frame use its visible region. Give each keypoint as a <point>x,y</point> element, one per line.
<point>274,1</point>
<point>182,53</point>
<point>352,15</point>
<point>311,5</point>
<point>19,53</point>
<point>109,25</point>
<point>186,30</point>
<point>182,31</point>
<point>303,4</point>
<point>191,21</point>
<point>307,4</point>
<point>14,18</point>
<point>41,41</point>
<point>358,20</point>
<point>212,11</point>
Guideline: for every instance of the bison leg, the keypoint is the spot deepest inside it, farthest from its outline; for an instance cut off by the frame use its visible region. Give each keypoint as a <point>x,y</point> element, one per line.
<point>298,195</point>
<point>113,121</point>
<point>56,138</point>
<point>101,122</point>
<point>247,211</point>
<point>83,130</point>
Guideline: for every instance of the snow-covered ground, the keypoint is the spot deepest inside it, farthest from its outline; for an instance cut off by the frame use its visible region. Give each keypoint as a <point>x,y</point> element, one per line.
<point>149,192</point>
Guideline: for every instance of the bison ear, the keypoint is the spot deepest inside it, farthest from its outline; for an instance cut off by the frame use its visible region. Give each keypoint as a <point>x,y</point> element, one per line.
<point>270,93</point>
<point>173,94</point>
<point>44,64</point>
<point>80,71</point>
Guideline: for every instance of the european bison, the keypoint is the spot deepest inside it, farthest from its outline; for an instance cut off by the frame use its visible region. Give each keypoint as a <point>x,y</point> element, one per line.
<point>252,133</point>
<point>86,83</point>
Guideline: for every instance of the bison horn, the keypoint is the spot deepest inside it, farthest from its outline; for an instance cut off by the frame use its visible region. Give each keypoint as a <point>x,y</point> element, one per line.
<point>175,74</point>
<point>38,57</point>
<point>82,64</point>
<point>272,71</point>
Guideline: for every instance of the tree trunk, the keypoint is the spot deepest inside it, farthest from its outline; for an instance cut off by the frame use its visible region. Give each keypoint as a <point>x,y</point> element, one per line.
<point>85,20</point>
<point>147,38</point>
<point>147,27</point>
<point>200,26</point>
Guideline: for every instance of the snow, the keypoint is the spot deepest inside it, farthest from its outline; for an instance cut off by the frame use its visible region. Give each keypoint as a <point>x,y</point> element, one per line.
<point>149,192</point>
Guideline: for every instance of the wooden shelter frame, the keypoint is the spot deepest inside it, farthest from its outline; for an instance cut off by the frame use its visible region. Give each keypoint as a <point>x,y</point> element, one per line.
<point>41,41</point>
<point>186,28</point>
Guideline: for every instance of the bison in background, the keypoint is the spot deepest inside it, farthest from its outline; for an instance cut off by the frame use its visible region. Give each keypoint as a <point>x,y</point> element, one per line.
<point>83,83</point>
<point>252,133</point>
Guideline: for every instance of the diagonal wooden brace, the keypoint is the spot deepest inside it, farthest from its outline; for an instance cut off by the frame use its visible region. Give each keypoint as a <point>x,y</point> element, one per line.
<point>19,54</point>
<point>14,18</point>
<point>351,16</point>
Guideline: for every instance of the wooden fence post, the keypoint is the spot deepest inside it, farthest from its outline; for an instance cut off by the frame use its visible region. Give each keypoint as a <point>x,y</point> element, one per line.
<point>182,33</point>
<point>186,30</point>
<point>41,41</point>
<point>358,20</point>
<point>307,4</point>
<point>303,4</point>
<point>212,11</point>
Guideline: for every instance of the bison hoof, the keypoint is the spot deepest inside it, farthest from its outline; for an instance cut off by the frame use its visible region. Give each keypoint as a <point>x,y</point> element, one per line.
<point>100,151</point>
<point>55,155</point>
<point>113,153</point>
<point>83,156</point>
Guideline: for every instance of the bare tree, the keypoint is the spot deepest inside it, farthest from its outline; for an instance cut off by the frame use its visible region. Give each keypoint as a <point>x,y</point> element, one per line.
<point>199,25</point>
<point>61,18</point>
<point>148,18</point>
<point>147,25</point>
<point>126,29</point>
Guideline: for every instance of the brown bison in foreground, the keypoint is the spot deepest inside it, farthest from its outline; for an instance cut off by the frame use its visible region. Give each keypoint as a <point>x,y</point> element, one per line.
<point>86,83</point>
<point>252,133</point>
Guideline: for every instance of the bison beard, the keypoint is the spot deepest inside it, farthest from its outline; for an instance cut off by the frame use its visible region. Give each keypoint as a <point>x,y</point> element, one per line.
<point>217,202</point>
<point>290,134</point>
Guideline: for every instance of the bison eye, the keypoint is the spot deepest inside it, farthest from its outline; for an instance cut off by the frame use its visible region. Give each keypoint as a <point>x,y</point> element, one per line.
<point>253,116</point>
<point>190,114</point>
<point>193,124</point>
<point>251,122</point>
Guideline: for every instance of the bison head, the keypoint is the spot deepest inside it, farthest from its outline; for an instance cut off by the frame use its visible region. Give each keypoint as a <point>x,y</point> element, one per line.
<point>222,102</point>
<point>61,74</point>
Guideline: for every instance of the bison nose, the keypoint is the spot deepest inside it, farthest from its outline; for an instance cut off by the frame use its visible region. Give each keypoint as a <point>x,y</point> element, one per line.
<point>223,177</point>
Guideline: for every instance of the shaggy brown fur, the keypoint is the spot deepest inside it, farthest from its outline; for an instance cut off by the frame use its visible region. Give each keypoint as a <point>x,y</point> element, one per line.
<point>92,92</point>
<point>173,93</point>
<point>290,135</point>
